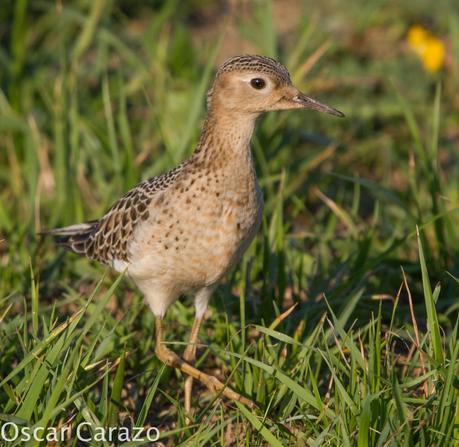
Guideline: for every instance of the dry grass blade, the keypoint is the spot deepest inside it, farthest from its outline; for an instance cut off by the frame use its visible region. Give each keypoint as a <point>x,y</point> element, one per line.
<point>425,385</point>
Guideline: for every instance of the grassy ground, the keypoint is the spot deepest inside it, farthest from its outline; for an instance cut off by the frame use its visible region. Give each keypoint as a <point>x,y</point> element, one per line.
<point>360,229</point>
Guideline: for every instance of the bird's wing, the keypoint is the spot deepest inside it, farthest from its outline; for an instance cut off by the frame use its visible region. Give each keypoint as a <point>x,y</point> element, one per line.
<point>107,239</point>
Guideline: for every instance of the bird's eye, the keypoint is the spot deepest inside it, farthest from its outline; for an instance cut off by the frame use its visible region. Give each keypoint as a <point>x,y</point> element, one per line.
<point>258,83</point>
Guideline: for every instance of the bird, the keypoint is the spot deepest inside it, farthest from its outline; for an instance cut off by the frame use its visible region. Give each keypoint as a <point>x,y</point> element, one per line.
<point>181,232</point>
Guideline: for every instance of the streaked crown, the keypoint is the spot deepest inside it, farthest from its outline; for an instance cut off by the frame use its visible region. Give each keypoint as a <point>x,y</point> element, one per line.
<point>261,64</point>
<point>252,84</point>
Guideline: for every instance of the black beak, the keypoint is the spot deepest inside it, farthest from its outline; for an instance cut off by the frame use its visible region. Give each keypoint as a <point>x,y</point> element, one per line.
<point>309,103</point>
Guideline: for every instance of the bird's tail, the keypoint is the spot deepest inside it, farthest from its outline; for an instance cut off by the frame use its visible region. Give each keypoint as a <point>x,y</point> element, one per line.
<point>73,237</point>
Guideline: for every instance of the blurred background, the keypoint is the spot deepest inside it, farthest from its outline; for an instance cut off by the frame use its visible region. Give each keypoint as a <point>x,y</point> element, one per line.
<point>96,95</point>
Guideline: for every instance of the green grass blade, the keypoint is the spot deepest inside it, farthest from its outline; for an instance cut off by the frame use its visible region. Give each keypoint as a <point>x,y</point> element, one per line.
<point>432,318</point>
<point>258,425</point>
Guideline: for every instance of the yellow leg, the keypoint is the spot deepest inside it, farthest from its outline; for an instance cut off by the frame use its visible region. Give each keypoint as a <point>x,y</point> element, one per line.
<point>190,356</point>
<point>172,359</point>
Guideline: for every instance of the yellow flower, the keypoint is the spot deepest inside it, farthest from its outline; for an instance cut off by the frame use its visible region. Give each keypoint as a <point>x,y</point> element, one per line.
<point>416,37</point>
<point>434,55</point>
<point>430,49</point>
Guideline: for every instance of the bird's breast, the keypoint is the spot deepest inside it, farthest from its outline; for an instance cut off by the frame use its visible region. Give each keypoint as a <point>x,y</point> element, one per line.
<point>235,227</point>
<point>198,230</point>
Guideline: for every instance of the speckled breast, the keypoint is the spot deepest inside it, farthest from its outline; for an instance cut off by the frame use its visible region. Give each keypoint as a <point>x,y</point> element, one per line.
<point>194,239</point>
<point>241,218</point>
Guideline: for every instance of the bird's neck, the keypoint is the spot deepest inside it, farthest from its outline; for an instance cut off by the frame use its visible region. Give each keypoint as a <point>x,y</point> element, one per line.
<point>225,140</point>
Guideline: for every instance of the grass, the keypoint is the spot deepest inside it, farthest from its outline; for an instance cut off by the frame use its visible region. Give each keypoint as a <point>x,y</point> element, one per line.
<point>360,228</point>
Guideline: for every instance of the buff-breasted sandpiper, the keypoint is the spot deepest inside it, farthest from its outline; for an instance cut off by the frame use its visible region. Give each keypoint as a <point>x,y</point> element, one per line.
<point>182,231</point>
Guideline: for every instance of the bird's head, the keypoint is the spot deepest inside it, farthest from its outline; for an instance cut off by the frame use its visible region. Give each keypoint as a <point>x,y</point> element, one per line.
<point>256,84</point>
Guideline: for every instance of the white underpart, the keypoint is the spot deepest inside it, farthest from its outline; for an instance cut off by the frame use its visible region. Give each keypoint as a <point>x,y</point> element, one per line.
<point>158,296</point>
<point>201,300</point>
<point>161,298</point>
<point>119,265</point>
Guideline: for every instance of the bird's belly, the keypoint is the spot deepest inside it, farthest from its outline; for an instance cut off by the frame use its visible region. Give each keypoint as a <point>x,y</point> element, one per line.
<point>232,239</point>
<point>198,251</point>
